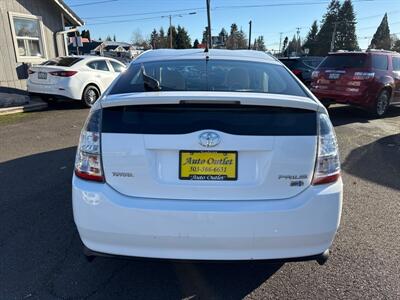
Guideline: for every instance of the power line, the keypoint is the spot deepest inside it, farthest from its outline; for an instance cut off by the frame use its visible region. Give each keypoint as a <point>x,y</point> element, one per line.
<point>92,3</point>
<point>146,13</point>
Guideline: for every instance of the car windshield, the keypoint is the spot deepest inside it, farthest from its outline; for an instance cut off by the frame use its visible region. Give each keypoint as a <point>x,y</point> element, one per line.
<point>344,61</point>
<point>214,75</point>
<point>62,61</point>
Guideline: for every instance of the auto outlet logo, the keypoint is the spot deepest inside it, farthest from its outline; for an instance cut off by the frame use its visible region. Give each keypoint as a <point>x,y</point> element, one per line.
<point>209,139</point>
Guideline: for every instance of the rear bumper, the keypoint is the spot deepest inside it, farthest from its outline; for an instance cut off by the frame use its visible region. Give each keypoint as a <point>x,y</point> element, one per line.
<point>111,223</point>
<point>54,90</point>
<point>362,98</point>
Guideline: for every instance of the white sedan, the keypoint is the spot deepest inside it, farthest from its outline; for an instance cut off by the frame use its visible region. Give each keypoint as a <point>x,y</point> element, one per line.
<point>76,77</point>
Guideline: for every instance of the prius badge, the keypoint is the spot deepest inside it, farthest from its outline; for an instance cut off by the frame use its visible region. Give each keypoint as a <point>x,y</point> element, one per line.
<point>209,139</point>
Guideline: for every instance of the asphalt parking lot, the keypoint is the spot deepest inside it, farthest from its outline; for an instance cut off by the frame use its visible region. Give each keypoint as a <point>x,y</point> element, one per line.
<point>40,250</point>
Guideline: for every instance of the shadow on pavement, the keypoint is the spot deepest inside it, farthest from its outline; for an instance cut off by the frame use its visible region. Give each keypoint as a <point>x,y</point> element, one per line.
<point>378,161</point>
<point>44,256</point>
<point>345,114</point>
<point>65,104</point>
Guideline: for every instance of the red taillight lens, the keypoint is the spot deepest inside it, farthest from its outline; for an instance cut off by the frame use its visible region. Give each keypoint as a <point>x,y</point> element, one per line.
<point>64,73</point>
<point>296,72</point>
<point>327,168</point>
<point>30,72</point>
<point>88,155</point>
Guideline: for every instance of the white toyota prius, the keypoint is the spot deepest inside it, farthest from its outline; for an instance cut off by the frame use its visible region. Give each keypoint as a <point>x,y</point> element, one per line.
<point>218,155</point>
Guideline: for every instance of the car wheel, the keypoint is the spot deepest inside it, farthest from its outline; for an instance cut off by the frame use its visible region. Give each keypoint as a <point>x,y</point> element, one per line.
<point>381,104</point>
<point>90,95</point>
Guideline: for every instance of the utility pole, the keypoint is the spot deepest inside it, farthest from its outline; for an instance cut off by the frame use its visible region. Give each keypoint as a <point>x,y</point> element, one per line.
<point>170,32</point>
<point>280,42</point>
<point>209,40</point>
<point>250,34</point>
<point>298,40</point>
<point>333,37</point>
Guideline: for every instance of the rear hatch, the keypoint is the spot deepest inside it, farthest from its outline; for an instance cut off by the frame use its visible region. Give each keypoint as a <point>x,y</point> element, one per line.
<point>261,146</point>
<point>336,72</point>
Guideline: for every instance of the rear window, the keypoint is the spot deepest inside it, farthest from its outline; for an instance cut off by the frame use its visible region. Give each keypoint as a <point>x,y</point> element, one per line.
<point>344,61</point>
<point>214,75</point>
<point>229,118</point>
<point>62,61</point>
<point>290,63</point>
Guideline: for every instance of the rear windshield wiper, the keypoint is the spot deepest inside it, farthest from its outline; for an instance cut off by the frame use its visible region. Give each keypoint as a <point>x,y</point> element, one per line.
<point>150,83</point>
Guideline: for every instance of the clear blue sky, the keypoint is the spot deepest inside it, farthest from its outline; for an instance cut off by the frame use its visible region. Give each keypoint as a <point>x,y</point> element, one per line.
<point>267,21</point>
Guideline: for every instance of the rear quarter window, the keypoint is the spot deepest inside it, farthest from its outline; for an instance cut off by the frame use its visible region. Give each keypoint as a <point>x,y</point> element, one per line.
<point>379,62</point>
<point>396,63</point>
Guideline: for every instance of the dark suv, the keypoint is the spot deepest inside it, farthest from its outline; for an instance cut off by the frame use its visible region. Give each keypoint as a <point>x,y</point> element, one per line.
<point>302,67</point>
<point>370,80</point>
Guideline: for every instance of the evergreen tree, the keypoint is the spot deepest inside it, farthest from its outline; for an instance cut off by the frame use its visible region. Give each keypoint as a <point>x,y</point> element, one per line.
<point>223,35</point>
<point>196,43</point>
<point>259,43</point>
<point>346,38</point>
<point>108,38</point>
<point>114,38</point>
<point>162,39</point>
<point>182,38</point>
<point>204,40</point>
<point>311,39</point>
<point>86,34</point>
<point>285,42</point>
<point>293,46</point>
<point>154,39</point>
<point>236,39</point>
<point>327,28</point>
<point>381,38</point>
<point>396,46</point>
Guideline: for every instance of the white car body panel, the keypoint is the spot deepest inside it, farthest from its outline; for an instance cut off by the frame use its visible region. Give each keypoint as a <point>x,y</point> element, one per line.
<point>71,87</point>
<point>112,223</point>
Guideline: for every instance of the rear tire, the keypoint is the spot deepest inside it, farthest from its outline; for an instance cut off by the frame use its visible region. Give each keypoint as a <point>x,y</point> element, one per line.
<point>90,95</point>
<point>381,104</point>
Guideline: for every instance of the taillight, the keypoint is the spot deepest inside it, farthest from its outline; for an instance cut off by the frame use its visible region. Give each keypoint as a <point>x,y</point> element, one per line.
<point>30,72</point>
<point>314,74</point>
<point>63,73</point>
<point>363,75</point>
<point>327,168</point>
<point>88,155</point>
<point>297,72</point>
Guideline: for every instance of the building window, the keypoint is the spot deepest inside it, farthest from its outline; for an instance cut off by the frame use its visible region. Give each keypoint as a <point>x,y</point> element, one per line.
<point>27,32</point>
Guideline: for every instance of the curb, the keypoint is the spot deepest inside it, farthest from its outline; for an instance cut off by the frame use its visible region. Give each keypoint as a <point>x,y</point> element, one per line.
<point>32,106</point>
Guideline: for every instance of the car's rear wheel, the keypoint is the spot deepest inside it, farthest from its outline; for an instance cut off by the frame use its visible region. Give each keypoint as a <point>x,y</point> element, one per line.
<point>90,95</point>
<point>381,104</point>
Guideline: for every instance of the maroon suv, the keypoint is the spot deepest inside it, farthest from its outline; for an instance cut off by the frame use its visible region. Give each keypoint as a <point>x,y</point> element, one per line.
<point>370,80</point>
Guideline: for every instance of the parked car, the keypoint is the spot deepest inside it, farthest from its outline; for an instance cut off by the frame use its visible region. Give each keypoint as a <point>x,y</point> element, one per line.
<point>222,155</point>
<point>370,80</point>
<point>76,77</point>
<point>302,67</point>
